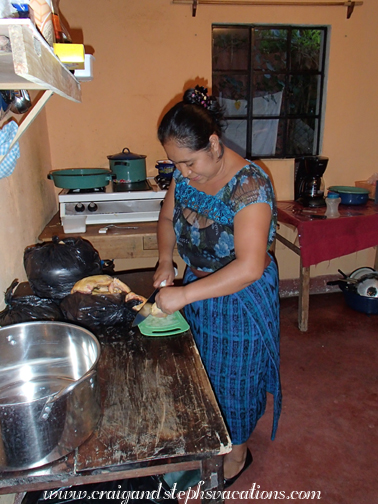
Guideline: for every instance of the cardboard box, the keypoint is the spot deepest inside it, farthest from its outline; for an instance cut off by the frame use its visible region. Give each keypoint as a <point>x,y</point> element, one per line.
<point>71,55</point>
<point>370,187</point>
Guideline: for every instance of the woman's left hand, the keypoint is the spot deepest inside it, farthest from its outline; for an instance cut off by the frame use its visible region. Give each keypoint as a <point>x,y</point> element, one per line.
<point>171,299</point>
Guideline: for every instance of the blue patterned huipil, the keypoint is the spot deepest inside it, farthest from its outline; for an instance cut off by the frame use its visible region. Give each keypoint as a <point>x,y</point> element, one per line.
<point>237,335</point>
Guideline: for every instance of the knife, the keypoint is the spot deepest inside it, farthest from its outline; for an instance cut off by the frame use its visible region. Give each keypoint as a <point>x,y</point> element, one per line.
<point>145,311</point>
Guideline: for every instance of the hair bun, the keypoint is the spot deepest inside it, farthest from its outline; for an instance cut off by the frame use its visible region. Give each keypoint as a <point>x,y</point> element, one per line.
<point>198,96</point>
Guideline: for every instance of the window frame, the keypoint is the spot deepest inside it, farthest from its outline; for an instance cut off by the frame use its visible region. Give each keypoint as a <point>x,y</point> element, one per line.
<point>284,115</point>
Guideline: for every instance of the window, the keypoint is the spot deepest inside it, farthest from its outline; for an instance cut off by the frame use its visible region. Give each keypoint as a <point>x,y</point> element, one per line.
<point>270,79</point>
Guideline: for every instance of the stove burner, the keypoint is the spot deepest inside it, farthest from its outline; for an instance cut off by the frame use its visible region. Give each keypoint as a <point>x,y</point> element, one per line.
<point>87,191</point>
<point>143,185</point>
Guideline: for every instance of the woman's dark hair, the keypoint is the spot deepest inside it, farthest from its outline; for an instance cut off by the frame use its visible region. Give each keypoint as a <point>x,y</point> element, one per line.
<point>191,121</point>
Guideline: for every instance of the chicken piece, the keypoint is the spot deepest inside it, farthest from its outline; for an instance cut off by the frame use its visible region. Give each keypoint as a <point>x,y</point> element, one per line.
<point>131,295</point>
<point>148,308</point>
<point>156,312</point>
<point>100,284</point>
<point>117,287</point>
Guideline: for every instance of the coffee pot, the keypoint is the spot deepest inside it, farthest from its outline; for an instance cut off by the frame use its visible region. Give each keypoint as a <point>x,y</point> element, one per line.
<point>309,184</point>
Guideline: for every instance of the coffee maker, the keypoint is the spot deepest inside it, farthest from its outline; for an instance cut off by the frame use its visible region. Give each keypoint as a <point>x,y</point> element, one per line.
<point>309,184</point>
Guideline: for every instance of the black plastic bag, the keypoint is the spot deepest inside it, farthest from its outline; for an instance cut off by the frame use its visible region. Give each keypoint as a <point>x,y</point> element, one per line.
<point>54,267</point>
<point>98,309</point>
<point>27,308</point>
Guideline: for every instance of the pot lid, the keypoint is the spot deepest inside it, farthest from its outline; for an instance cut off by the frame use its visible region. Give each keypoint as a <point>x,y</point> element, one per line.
<point>126,154</point>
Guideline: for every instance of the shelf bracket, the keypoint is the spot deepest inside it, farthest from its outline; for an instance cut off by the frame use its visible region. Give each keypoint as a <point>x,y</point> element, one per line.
<point>28,119</point>
<point>350,9</point>
<point>349,4</point>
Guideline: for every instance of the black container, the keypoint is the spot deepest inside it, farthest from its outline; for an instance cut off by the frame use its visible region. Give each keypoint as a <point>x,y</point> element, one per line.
<point>309,185</point>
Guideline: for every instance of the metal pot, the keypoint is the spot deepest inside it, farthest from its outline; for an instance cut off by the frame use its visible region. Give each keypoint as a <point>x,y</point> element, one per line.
<point>81,178</point>
<point>49,396</point>
<point>128,167</point>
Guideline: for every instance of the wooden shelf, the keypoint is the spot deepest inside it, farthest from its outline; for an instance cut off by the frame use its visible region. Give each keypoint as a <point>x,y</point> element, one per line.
<point>32,64</point>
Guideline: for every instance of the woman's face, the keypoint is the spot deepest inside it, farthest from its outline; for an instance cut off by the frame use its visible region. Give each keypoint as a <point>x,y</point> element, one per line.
<point>198,166</point>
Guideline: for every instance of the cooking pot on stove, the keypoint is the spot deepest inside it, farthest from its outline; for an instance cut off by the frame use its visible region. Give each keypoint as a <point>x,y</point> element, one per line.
<point>81,178</point>
<point>128,167</point>
<point>49,392</point>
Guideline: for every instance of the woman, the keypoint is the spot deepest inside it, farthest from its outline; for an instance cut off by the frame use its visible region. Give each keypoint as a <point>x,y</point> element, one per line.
<point>220,211</point>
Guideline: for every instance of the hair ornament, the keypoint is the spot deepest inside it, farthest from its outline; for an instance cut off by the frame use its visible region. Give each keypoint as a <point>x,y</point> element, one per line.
<point>200,96</point>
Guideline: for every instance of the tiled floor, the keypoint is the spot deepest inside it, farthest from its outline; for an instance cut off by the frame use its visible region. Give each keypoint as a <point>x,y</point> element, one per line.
<point>327,440</point>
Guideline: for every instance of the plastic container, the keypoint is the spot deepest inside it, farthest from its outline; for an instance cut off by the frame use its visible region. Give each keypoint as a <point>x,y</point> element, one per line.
<point>165,168</point>
<point>74,223</point>
<point>351,195</point>
<point>87,73</point>
<point>332,201</point>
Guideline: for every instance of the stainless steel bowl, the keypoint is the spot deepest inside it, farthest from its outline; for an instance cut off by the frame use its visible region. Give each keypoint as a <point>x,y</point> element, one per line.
<point>49,396</point>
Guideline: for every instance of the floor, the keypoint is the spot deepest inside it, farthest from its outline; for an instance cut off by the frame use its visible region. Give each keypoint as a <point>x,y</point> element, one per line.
<point>327,440</point>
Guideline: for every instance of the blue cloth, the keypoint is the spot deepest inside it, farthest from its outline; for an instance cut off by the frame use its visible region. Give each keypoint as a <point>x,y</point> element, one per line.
<point>204,224</point>
<point>238,339</point>
<point>237,335</point>
<point>8,164</point>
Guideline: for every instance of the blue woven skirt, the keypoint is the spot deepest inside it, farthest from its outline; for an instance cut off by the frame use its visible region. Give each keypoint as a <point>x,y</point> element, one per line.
<point>238,339</point>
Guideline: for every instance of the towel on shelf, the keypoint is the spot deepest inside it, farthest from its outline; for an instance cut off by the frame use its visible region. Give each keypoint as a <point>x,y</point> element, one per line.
<point>8,164</point>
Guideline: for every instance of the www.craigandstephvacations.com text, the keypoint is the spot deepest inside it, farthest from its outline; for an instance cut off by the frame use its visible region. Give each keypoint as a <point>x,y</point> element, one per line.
<point>126,496</point>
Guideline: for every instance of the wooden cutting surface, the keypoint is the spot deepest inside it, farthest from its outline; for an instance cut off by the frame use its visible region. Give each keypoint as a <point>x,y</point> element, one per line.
<point>123,241</point>
<point>159,413</point>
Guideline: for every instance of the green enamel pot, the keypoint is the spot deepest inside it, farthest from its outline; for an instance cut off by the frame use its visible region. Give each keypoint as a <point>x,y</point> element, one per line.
<point>81,178</point>
<point>128,167</point>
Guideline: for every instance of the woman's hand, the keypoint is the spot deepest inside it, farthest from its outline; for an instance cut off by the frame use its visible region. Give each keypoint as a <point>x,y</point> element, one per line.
<point>171,299</point>
<point>166,273</point>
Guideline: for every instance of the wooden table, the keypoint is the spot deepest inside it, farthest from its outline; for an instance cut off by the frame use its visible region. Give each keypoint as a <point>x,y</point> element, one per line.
<point>325,239</point>
<point>159,414</point>
<point>123,241</point>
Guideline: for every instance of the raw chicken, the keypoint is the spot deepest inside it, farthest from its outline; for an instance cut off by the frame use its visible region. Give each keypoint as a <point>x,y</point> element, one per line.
<point>100,284</point>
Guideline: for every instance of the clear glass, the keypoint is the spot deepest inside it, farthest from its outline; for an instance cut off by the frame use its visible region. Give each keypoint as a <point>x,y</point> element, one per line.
<point>235,136</point>
<point>306,49</point>
<point>230,48</point>
<point>270,49</point>
<point>231,87</point>
<point>304,95</point>
<point>301,139</point>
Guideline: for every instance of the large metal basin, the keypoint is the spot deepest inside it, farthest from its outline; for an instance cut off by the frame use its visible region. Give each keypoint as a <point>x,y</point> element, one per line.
<point>49,394</point>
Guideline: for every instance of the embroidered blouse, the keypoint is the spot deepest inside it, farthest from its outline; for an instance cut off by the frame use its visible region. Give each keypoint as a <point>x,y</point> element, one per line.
<point>204,224</point>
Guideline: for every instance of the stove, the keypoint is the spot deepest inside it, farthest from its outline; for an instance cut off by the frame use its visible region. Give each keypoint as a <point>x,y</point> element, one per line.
<point>115,203</point>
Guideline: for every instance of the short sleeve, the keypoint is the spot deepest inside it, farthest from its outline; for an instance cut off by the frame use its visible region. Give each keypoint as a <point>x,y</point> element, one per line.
<point>251,186</point>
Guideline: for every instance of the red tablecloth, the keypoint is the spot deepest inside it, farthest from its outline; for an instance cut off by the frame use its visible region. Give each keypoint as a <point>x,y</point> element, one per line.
<point>322,240</point>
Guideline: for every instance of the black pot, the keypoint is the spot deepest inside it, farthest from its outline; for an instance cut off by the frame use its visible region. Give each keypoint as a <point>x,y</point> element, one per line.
<point>128,167</point>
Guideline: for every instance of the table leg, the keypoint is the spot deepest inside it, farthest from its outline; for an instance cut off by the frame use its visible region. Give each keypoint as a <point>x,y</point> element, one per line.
<point>304,297</point>
<point>212,475</point>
